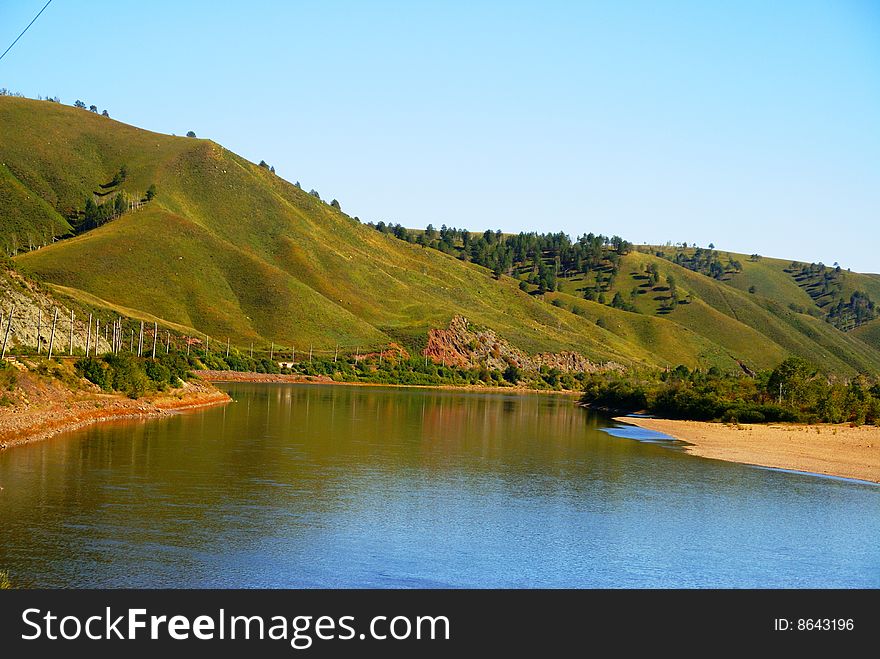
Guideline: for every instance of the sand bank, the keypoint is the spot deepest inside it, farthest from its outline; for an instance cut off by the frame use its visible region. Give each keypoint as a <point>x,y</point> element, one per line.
<point>834,450</point>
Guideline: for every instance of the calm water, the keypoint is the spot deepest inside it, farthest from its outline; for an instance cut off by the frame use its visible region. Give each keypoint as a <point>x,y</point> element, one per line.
<point>300,486</point>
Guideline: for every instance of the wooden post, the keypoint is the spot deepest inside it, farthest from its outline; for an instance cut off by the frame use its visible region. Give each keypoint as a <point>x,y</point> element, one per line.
<point>39,329</point>
<point>310,354</point>
<point>155,337</point>
<point>8,329</point>
<point>252,349</point>
<point>272,351</point>
<point>52,334</point>
<point>89,336</point>
<point>227,347</point>
<point>141,340</point>
<point>168,343</point>
<point>97,334</point>
<point>70,345</point>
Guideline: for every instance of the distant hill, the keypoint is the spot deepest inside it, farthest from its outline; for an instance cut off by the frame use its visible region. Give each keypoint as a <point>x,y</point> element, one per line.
<point>227,248</point>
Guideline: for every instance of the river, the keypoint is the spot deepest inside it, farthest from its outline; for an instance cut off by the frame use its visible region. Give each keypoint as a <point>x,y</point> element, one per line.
<point>336,486</point>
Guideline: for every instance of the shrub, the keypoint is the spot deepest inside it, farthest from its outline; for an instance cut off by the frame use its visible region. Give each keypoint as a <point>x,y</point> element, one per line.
<point>92,370</point>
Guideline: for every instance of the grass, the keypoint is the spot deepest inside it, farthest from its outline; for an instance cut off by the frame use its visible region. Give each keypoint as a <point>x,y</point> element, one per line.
<point>869,333</point>
<point>228,249</point>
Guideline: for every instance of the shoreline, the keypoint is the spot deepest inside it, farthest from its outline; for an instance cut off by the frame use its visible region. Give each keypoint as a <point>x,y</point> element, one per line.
<point>837,450</point>
<point>276,378</point>
<point>44,421</point>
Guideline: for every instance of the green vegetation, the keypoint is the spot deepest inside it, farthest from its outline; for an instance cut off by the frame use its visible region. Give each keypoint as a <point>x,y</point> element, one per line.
<point>229,249</point>
<point>8,377</point>
<point>136,376</point>
<point>793,391</point>
<point>398,371</point>
<point>825,287</point>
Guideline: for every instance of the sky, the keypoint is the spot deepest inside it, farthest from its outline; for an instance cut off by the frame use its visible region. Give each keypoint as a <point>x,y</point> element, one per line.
<point>751,125</point>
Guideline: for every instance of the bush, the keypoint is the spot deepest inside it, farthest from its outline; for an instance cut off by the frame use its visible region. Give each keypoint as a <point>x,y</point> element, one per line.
<point>512,374</point>
<point>92,370</point>
<point>8,377</point>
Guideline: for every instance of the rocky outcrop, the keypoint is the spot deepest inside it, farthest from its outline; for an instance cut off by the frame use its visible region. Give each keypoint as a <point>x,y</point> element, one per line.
<point>34,310</point>
<point>463,345</point>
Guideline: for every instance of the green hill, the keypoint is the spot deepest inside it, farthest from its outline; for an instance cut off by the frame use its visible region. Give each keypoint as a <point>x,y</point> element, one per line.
<point>869,333</point>
<point>227,248</point>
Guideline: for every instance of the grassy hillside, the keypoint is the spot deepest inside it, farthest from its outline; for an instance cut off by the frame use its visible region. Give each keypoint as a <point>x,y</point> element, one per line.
<point>869,333</point>
<point>229,249</point>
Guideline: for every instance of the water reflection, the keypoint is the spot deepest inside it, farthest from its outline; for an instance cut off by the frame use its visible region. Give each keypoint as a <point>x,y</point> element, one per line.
<point>363,486</point>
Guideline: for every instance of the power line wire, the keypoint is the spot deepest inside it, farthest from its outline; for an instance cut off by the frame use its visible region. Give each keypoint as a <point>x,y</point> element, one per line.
<point>25,30</point>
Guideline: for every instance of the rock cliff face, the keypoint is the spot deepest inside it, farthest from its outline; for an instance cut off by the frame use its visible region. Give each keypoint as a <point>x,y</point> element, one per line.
<point>466,346</point>
<point>34,309</point>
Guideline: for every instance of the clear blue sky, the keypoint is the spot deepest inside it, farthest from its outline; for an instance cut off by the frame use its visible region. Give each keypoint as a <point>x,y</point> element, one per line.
<point>752,125</point>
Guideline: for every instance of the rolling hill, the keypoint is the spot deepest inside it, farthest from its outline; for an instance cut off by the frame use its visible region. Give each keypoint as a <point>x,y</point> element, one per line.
<point>227,248</point>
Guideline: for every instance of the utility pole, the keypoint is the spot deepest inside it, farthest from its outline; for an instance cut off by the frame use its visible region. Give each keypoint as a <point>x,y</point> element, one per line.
<point>70,344</point>
<point>335,353</point>
<point>252,349</point>
<point>310,354</point>
<point>227,347</point>
<point>187,346</point>
<point>97,334</point>
<point>141,340</point>
<point>8,329</point>
<point>155,336</point>
<point>89,336</point>
<point>272,351</point>
<point>131,342</point>
<point>207,345</point>
<point>52,335</point>
<point>168,343</point>
<point>39,330</point>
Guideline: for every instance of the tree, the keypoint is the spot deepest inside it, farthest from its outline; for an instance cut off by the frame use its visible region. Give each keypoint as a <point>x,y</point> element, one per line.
<point>711,245</point>
<point>336,205</point>
<point>272,169</point>
<point>752,289</point>
<point>105,114</point>
<point>151,192</point>
<point>790,380</point>
<point>512,374</point>
<point>119,204</point>
<point>314,193</point>
<point>264,164</point>
<point>80,105</point>
<point>93,108</point>
<point>191,133</point>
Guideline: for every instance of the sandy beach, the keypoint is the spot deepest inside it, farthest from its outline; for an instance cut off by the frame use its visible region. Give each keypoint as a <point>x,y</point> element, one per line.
<point>833,450</point>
